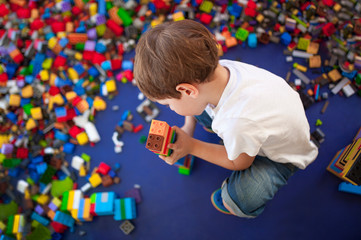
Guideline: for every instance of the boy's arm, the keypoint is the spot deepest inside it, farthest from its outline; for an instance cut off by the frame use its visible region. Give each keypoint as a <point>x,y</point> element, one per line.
<point>213,153</point>
<point>216,154</point>
<point>189,125</point>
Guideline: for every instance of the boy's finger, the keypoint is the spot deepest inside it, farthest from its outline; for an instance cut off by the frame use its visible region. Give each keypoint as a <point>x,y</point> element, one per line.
<point>166,159</point>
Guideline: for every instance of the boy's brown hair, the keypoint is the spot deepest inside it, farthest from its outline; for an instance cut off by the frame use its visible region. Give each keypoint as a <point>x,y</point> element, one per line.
<point>172,53</point>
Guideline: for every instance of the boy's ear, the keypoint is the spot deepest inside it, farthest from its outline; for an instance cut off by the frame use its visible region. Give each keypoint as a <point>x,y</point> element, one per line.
<point>187,89</point>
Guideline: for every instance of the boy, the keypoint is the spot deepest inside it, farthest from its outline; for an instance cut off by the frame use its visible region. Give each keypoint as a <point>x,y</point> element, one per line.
<point>259,117</point>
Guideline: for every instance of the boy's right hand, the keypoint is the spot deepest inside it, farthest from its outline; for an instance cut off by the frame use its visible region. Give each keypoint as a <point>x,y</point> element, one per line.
<point>181,147</point>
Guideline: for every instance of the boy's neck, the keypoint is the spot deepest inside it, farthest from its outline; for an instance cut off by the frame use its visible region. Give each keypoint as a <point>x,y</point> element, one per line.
<point>213,89</point>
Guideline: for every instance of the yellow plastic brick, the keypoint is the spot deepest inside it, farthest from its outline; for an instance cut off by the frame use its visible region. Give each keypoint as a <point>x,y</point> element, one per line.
<point>111,86</point>
<point>78,56</point>
<point>43,199</point>
<point>14,100</point>
<point>82,138</point>
<point>52,42</point>
<point>95,180</point>
<point>36,113</point>
<point>99,104</point>
<point>44,75</point>
<point>93,9</point>
<point>73,75</point>
<point>47,63</point>
<point>27,91</point>
<point>70,95</point>
<point>30,124</point>
<point>58,99</point>
<point>82,171</point>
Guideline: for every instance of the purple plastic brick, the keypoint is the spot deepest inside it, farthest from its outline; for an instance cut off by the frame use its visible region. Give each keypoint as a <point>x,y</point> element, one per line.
<point>65,7</point>
<point>134,193</point>
<point>20,83</point>
<point>221,2</point>
<point>7,148</point>
<point>11,48</point>
<point>3,51</point>
<point>50,54</point>
<point>89,45</point>
<point>39,210</point>
<point>100,19</point>
<point>92,33</point>
<point>52,206</point>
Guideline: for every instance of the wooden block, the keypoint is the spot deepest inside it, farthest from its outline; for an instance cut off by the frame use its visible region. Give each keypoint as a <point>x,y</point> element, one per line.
<point>315,61</point>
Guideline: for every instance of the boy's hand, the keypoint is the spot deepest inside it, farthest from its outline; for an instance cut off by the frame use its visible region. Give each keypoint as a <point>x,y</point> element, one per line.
<point>181,147</point>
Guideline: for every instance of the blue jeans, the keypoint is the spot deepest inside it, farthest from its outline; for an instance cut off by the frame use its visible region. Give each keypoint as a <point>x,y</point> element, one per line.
<point>247,191</point>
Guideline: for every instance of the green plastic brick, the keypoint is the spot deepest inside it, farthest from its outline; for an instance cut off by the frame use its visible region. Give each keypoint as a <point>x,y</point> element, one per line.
<point>85,156</point>
<point>206,6</point>
<point>184,171</point>
<point>242,34</point>
<point>127,20</point>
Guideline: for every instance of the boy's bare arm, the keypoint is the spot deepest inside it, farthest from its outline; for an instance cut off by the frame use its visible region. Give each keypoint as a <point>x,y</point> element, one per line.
<point>216,154</point>
<point>189,125</point>
<point>213,153</point>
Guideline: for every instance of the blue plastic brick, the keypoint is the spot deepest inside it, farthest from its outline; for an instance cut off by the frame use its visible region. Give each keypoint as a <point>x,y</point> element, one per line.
<point>90,101</point>
<point>127,65</point>
<point>79,68</point>
<point>37,159</point>
<point>64,219</point>
<point>104,203</point>
<point>41,168</point>
<point>25,101</point>
<point>350,75</point>
<point>152,7</point>
<point>63,42</point>
<point>93,72</point>
<point>29,79</point>
<point>125,208</point>
<point>4,237</point>
<point>68,148</point>
<point>62,82</point>
<point>61,136</point>
<point>60,112</point>
<point>252,40</point>
<point>14,172</point>
<point>12,117</point>
<point>349,188</point>
<point>11,69</point>
<point>79,90</point>
<point>235,10</point>
<point>100,47</point>
<point>40,219</point>
<point>37,63</point>
<point>106,65</point>
<point>112,174</point>
<point>125,115</point>
<point>81,209</point>
<point>102,9</point>
<point>34,176</point>
<point>286,38</point>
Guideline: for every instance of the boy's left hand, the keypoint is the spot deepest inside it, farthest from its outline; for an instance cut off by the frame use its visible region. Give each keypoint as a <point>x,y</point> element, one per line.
<point>181,147</point>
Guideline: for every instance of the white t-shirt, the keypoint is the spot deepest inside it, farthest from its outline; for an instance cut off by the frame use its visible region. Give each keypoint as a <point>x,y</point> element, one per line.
<point>260,114</point>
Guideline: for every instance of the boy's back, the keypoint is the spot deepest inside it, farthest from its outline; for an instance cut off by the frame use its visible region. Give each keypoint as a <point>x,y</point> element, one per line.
<point>259,113</point>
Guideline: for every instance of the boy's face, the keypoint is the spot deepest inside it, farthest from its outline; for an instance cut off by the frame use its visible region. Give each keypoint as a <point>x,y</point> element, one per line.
<point>185,106</point>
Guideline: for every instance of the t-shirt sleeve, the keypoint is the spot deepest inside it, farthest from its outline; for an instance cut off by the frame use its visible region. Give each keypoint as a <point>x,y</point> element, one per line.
<point>241,136</point>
